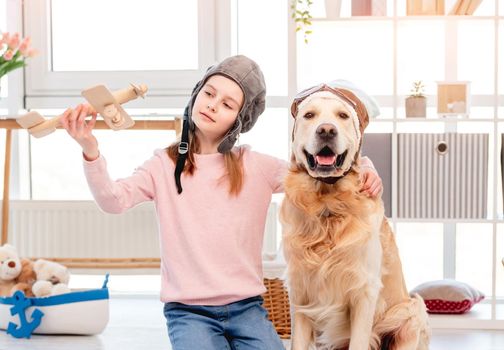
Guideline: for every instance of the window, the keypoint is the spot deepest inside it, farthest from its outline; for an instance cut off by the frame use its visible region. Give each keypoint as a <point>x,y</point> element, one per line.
<point>55,179</point>
<point>136,38</point>
<point>146,43</point>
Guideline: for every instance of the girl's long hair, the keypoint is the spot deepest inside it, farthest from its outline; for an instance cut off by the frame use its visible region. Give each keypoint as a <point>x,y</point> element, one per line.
<point>232,161</point>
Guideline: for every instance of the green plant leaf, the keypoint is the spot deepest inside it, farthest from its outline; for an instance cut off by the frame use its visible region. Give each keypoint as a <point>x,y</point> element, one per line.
<point>301,16</point>
<point>4,64</point>
<point>16,65</point>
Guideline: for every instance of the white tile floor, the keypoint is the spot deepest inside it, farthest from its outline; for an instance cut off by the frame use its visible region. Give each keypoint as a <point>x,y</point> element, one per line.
<point>138,323</point>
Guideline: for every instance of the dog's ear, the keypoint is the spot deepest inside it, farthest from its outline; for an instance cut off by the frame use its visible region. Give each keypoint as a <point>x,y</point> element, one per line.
<point>294,108</point>
<point>294,111</point>
<point>293,130</point>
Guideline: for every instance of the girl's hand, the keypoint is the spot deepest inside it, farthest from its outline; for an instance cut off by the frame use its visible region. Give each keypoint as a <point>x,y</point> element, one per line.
<point>74,122</point>
<point>371,181</point>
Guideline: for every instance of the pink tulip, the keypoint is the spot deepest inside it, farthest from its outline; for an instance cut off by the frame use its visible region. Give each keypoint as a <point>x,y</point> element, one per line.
<point>5,38</point>
<point>14,41</point>
<point>31,53</point>
<point>25,44</point>
<point>8,55</point>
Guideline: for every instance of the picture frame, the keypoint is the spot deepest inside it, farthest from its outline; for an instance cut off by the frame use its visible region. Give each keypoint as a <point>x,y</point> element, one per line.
<point>453,98</point>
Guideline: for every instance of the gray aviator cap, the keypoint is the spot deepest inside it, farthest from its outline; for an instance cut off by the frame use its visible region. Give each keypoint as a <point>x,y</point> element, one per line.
<point>247,74</point>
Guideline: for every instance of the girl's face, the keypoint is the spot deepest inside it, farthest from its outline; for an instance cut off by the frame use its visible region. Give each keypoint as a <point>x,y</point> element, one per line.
<point>216,106</point>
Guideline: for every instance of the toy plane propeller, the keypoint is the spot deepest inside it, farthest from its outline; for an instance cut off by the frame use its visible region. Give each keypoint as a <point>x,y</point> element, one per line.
<point>102,101</point>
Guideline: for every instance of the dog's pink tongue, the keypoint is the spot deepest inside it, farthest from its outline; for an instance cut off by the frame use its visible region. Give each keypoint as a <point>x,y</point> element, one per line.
<point>326,160</point>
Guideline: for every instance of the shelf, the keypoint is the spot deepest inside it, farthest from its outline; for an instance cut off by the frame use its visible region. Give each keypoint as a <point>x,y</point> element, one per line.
<point>447,17</point>
<point>406,18</point>
<point>435,120</point>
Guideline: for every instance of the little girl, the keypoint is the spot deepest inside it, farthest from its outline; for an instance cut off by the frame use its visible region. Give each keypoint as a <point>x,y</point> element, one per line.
<point>211,201</point>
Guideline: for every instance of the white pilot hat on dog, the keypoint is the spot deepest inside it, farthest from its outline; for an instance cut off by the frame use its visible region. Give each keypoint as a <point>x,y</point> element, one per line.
<point>363,105</point>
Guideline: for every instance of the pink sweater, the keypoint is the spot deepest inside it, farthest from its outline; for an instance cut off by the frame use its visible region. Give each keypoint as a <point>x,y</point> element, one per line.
<point>210,242</point>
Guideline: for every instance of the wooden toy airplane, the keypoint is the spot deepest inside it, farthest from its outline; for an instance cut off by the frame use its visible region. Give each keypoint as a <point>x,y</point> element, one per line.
<point>101,100</point>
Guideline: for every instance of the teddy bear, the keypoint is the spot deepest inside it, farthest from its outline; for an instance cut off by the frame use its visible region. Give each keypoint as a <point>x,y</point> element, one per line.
<point>10,268</point>
<point>25,279</point>
<point>52,278</point>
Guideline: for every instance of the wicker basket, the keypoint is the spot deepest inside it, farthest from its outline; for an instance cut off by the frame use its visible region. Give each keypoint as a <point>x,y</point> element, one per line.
<point>276,301</point>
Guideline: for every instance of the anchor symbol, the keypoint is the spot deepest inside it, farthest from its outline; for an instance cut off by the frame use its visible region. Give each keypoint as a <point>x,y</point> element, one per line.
<point>21,303</point>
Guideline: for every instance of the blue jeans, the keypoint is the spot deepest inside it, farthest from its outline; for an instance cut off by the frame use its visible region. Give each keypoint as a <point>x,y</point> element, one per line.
<point>242,325</point>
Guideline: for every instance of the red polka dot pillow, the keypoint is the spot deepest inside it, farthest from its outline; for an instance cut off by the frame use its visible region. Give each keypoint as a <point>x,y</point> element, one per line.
<point>448,296</point>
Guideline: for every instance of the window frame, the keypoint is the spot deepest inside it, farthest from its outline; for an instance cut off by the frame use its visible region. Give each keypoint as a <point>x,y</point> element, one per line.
<point>44,86</point>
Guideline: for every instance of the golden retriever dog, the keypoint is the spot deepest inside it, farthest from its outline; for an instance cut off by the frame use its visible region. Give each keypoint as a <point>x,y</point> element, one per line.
<point>344,273</point>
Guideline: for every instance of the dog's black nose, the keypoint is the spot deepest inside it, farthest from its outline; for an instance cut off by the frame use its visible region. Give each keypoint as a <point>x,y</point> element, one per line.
<point>327,131</point>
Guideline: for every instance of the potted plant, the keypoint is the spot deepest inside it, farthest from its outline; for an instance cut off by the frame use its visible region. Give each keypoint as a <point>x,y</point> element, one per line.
<point>302,17</point>
<point>13,52</point>
<point>416,103</point>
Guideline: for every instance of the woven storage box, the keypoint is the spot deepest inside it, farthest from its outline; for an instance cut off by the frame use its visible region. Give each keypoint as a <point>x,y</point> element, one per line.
<point>276,301</point>
<point>81,312</point>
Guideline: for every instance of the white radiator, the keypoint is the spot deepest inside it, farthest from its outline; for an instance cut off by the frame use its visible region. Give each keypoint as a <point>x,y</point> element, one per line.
<point>78,229</point>
<point>442,176</point>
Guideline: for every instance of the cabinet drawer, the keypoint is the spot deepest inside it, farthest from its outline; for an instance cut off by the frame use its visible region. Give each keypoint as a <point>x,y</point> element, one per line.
<point>442,176</point>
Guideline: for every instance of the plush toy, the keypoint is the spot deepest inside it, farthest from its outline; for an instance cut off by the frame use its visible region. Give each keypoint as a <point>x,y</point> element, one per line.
<point>52,278</point>
<point>10,268</point>
<point>26,278</point>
